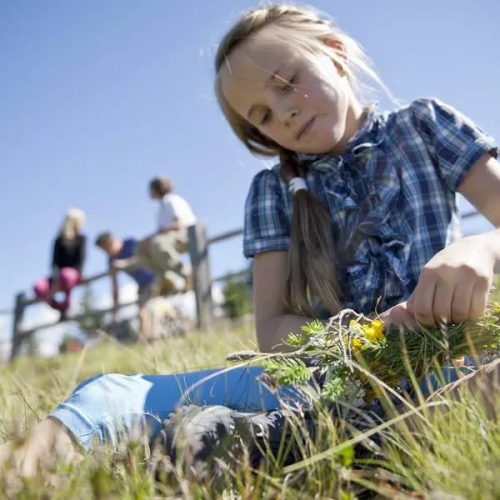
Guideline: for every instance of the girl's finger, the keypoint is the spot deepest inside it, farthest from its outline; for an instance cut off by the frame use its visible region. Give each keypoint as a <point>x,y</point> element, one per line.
<point>461,303</point>
<point>410,304</point>
<point>400,316</point>
<point>423,298</point>
<point>443,297</point>
<point>479,299</point>
<point>410,321</point>
<point>406,317</point>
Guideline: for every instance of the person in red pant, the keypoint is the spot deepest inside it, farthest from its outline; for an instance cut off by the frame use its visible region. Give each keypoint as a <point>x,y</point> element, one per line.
<point>68,258</point>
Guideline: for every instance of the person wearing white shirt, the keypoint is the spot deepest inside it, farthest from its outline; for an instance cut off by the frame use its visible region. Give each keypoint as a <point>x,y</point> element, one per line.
<point>161,251</point>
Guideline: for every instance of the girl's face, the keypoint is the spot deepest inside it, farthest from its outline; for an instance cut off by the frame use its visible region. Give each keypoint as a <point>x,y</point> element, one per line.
<point>153,194</point>
<point>300,100</point>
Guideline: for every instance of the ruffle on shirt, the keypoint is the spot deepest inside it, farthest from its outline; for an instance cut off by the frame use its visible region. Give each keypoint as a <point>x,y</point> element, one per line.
<point>373,256</point>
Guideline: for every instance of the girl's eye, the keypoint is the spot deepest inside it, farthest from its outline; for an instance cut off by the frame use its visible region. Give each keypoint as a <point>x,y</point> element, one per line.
<point>266,117</point>
<point>288,84</point>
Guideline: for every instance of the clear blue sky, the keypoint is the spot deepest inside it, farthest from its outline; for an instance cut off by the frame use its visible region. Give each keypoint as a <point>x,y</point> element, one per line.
<point>98,96</point>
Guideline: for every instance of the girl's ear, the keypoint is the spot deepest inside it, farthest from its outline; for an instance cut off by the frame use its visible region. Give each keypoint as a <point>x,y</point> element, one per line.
<point>337,46</point>
<point>339,49</point>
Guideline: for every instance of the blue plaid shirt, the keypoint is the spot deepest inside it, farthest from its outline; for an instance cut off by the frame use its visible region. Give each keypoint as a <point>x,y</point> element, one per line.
<point>392,198</point>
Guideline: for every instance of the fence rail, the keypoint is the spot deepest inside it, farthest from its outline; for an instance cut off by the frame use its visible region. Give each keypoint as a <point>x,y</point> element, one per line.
<point>199,244</point>
<point>22,301</point>
<point>77,317</point>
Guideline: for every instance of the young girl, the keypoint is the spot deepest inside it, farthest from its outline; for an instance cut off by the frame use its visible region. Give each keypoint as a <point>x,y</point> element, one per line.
<point>68,258</point>
<point>359,213</point>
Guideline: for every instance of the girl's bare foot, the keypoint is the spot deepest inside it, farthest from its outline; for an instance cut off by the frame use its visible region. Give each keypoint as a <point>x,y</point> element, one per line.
<point>47,444</point>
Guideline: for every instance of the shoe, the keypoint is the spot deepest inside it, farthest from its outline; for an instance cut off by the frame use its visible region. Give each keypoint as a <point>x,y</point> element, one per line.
<point>210,440</point>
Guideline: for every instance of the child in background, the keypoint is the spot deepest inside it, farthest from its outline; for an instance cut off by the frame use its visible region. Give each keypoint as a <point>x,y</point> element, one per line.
<point>68,258</point>
<point>122,249</point>
<point>161,251</point>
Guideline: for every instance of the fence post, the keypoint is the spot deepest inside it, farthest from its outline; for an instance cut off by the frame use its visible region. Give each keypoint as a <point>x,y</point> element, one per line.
<point>198,250</point>
<point>16,325</point>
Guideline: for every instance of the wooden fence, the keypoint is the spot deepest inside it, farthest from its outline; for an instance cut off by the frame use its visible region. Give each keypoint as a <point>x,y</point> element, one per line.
<point>199,244</point>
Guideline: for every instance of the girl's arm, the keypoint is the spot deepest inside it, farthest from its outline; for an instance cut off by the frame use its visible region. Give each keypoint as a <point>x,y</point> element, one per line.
<point>273,324</point>
<point>481,187</point>
<point>455,284</point>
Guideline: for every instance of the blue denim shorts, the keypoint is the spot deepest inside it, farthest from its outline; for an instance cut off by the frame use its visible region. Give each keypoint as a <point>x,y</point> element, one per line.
<point>112,407</point>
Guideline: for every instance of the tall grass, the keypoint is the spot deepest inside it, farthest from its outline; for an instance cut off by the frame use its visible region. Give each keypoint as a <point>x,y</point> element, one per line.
<point>450,455</point>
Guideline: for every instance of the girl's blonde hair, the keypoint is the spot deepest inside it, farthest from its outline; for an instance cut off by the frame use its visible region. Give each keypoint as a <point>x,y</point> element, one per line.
<point>72,224</point>
<point>311,261</point>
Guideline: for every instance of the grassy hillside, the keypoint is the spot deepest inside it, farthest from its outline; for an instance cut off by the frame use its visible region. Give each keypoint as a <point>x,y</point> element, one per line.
<point>459,457</point>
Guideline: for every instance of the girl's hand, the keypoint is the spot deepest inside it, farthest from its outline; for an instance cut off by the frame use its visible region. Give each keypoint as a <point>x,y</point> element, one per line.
<point>399,315</point>
<point>454,285</point>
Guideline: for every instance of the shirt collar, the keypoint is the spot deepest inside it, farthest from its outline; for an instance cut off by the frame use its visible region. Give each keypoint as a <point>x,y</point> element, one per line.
<point>370,134</point>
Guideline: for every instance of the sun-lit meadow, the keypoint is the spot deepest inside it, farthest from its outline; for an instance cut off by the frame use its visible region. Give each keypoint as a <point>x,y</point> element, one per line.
<point>453,456</point>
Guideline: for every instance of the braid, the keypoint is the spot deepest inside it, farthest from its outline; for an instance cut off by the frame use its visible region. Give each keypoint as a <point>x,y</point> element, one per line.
<point>311,258</point>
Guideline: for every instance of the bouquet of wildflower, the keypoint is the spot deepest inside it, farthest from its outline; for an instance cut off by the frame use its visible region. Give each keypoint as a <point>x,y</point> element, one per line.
<point>352,351</point>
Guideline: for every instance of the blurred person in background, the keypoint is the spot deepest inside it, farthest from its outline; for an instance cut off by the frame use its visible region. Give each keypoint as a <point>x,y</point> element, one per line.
<point>68,258</point>
<point>123,250</point>
<point>161,251</point>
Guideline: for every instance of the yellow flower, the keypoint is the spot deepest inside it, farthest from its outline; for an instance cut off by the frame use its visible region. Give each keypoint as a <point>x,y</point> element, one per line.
<point>373,334</point>
<point>355,326</point>
<point>356,344</point>
<point>370,334</point>
<point>496,307</point>
<point>378,326</point>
